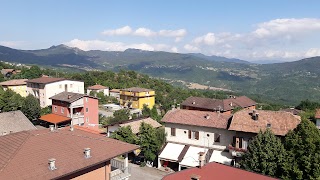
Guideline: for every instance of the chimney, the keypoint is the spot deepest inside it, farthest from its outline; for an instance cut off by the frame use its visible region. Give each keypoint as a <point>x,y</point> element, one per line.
<point>52,164</point>
<point>51,128</point>
<point>201,159</point>
<point>173,107</point>
<point>255,115</point>
<point>178,106</point>
<point>195,177</point>
<point>193,102</point>
<point>69,96</point>
<point>4,133</point>
<point>71,128</point>
<point>207,116</point>
<point>87,152</point>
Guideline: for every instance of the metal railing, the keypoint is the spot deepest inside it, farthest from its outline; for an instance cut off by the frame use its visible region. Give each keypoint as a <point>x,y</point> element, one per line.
<point>120,171</point>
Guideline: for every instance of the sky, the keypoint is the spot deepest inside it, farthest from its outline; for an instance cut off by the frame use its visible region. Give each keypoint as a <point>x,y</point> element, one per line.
<point>282,30</point>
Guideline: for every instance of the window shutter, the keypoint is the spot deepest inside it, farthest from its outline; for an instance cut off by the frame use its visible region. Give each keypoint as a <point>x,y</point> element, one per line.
<point>189,134</point>
<point>173,131</point>
<point>197,135</point>
<point>240,142</point>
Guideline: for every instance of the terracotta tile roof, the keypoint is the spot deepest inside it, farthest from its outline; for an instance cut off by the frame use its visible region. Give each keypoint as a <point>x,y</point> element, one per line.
<point>135,124</point>
<point>137,89</point>
<point>24,155</point>
<point>293,111</point>
<point>97,87</point>
<point>14,121</point>
<point>5,71</point>
<point>115,90</point>
<point>215,170</point>
<point>69,96</point>
<point>317,115</point>
<point>54,118</point>
<point>45,80</point>
<point>281,122</point>
<point>216,104</point>
<point>14,82</point>
<point>90,130</point>
<point>197,118</point>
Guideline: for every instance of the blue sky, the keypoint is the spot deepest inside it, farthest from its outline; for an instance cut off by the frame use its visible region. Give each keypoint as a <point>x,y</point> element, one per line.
<point>252,30</point>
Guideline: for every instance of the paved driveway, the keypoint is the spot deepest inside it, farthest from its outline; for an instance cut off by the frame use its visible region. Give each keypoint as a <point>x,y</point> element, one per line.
<point>145,173</point>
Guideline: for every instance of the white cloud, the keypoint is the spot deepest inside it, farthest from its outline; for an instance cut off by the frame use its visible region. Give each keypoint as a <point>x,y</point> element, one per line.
<point>174,49</point>
<point>13,44</point>
<point>178,34</point>
<point>191,48</point>
<point>313,52</point>
<point>144,32</point>
<point>208,39</point>
<point>126,30</point>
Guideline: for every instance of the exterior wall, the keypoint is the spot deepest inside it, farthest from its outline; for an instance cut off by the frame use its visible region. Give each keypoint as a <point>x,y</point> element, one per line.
<point>138,99</point>
<point>57,107</point>
<point>105,91</point>
<point>205,141</point>
<point>98,172</point>
<point>20,89</point>
<point>318,123</point>
<point>92,116</point>
<point>111,129</point>
<point>115,94</point>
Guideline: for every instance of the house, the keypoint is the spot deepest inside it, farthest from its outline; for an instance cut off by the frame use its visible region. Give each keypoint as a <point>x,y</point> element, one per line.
<point>135,125</point>
<point>98,88</point>
<point>17,85</point>
<point>223,106</point>
<point>293,111</point>
<point>8,72</point>
<point>74,108</point>
<point>14,121</point>
<point>45,87</point>
<point>136,97</point>
<point>216,171</point>
<point>248,123</point>
<point>62,154</point>
<point>317,116</point>
<point>115,93</point>
<point>190,132</point>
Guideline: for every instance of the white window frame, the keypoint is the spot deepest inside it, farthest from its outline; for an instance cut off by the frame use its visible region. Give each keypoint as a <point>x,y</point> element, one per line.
<point>62,110</point>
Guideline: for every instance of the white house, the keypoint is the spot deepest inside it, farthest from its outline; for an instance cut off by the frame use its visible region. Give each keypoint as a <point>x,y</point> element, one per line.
<point>98,88</point>
<point>190,132</point>
<point>45,87</point>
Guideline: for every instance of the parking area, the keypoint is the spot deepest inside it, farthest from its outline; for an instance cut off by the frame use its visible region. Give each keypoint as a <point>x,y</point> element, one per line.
<point>145,173</point>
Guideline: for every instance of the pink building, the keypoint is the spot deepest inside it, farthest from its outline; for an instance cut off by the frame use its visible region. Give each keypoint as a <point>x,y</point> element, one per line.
<point>80,109</point>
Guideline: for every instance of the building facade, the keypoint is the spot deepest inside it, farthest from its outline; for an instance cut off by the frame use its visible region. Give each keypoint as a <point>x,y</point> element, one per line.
<point>17,85</point>
<point>137,97</point>
<point>45,87</point>
<point>98,88</point>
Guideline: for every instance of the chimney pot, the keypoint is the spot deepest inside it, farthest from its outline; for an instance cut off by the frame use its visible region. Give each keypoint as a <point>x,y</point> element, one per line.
<point>87,152</point>
<point>207,116</point>
<point>71,128</point>
<point>51,128</point>
<point>195,177</point>
<point>52,164</point>
<point>201,159</point>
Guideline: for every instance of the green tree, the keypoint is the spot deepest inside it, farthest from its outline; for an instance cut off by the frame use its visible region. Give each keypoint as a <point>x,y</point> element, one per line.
<point>10,101</point>
<point>31,107</point>
<point>303,147</point>
<point>46,110</point>
<point>265,155</point>
<point>33,72</point>
<point>125,134</point>
<point>146,112</point>
<point>120,115</point>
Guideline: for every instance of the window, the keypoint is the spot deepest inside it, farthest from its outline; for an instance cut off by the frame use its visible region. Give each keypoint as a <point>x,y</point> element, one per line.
<point>87,109</point>
<point>87,119</point>
<point>173,131</point>
<point>193,134</point>
<point>62,110</point>
<point>55,109</point>
<point>217,137</point>
<point>86,99</point>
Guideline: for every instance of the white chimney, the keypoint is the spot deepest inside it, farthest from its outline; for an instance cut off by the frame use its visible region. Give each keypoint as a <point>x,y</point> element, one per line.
<point>207,116</point>
<point>201,159</point>
<point>51,128</point>
<point>52,164</point>
<point>195,177</point>
<point>71,128</point>
<point>87,152</point>
<point>178,106</point>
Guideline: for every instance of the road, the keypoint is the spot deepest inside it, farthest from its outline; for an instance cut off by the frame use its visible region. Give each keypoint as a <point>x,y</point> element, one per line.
<point>145,173</point>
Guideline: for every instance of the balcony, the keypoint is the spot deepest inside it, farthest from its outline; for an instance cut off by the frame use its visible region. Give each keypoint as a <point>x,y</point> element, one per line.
<point>118,170</point>
<point>238,152</point>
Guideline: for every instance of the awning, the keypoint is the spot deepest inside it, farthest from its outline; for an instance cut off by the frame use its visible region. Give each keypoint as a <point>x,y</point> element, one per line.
<point>171,151</point>
<point>191,159</point>
<point>221,157</point>
<point>54,118</point>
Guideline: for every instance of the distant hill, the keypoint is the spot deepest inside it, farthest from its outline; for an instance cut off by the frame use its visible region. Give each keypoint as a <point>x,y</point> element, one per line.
<point>287,83</point>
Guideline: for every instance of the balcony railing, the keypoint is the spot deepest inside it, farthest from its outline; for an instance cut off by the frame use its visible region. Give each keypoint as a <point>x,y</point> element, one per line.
<point>120,172</point>
<point>238,152</point>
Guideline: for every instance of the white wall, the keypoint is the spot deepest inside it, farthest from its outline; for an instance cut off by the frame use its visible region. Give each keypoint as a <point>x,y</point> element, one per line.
<point>55,88</point>
<point>226,137</point>
<point>112,129</point>
<point>318,123</point>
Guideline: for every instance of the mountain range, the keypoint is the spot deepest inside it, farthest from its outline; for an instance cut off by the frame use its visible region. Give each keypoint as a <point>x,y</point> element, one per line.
<point>287,83</point>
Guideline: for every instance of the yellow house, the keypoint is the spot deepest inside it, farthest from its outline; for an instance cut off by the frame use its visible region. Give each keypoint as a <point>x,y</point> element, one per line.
<point>17,85</point>
<point>136,97</point>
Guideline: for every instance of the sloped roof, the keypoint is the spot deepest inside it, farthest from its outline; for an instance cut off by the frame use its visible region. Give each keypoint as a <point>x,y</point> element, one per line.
<point>197,118</point>
<point>137,89</point>
<point>215,170</point>
<point>281,122</point>
<point>97,87</point>
<point>54,118</point>
<point>14,82</point>
<point>69,96</point>
<point>115,90</point>
<point>45,80</point>
<point>14,121</point>
<point>216,104</point>
<point>293,111</point>
<point>24,155</point>
<point>135,124</point>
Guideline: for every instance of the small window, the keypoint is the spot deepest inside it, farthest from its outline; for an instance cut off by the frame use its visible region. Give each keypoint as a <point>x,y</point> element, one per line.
<point>193,135</point>
<point>87,119</point>
<point>173,131</point>
<point>62,110</point>
<point>217,139</point>
<point>87,109</point>
<point>55,109</point>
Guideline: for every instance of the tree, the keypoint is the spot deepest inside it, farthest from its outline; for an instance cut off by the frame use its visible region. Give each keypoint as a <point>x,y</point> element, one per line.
<point>265,155</point>
<point>31,107</point>
<point>146,111</point>
<point>33,72</point>
<point>46,110</point>
<point>125,134</point>
<point>120,115</point>
<point>10,101</point>
<point>303,147</point>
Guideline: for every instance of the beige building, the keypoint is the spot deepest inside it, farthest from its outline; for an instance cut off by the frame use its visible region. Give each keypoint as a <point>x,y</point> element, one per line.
<point>17,85</point>
<point>45,87</point>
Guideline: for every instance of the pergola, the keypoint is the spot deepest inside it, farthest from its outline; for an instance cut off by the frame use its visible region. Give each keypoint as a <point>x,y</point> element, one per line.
<point>54,119</point>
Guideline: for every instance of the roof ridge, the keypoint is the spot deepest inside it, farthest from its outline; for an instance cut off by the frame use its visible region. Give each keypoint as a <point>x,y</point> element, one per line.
<point>17,150</point>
